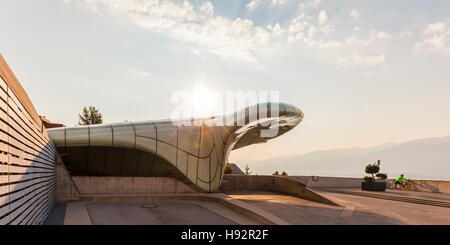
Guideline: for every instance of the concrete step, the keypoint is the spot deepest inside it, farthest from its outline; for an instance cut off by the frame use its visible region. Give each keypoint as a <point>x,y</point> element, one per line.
<point>415,200</point>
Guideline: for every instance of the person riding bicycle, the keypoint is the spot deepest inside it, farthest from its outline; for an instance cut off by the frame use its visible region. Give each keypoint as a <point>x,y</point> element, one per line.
<point>400,180</point>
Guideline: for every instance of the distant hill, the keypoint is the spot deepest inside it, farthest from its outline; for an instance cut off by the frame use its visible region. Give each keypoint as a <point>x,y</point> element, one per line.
<point>420,159</point>
<point>236,169</point>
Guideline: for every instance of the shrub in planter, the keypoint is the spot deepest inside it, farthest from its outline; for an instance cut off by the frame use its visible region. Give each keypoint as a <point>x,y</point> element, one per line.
<point>370,183</point>
<point>372,169</point>
<point>381,176</point>
<point>368,179</point>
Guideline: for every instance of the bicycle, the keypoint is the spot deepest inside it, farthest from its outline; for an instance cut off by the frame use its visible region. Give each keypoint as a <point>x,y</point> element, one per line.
<point>403,186</point>
<point>406,186</point>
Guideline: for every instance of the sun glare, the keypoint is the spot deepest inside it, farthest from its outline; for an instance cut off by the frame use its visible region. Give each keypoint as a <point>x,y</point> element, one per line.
<point>205,102</point>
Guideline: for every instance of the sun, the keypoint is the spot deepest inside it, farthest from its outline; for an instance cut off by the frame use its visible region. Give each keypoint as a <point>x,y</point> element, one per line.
<point>205,102</point>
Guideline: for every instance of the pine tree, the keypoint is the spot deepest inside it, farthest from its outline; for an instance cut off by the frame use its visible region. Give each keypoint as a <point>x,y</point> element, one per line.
<point>90,116</point>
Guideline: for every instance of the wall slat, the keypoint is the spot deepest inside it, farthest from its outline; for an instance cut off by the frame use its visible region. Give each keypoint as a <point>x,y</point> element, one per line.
<point>27,157</point>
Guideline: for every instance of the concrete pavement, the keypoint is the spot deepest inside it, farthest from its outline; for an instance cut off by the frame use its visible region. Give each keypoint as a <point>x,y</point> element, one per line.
<point>412,194</point>
<point>155,212</point>
<point>77,214</point>
<point>407,213</point>
<point>354,210</point>
<point>253,207</point>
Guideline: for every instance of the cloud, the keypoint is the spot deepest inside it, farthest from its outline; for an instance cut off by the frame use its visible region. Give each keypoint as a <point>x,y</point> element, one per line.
<point>326,28</point>
<point>253,4</point>
<point>204,32</point>
<point>308,5</point>
<point>152,14</point>
<point>207,8</point>
<point>312,30</point>
<point>435,28</point>
<point>355,41</point>
<point>380,35</point>
<point>323,16</point>
<point>405,33</point>
<point>276,29</point>
<point>141,73</point>
<point>354,13</point>
<point>315,3</point>
<point>256,3</point>
<point>278,2</point>
<point>436,38</point>
<point>238,38</point>
<point>301,30</point>
<point>374,36</point>
<point>298,24</point>
<point>435,43</point>
<point>358,60</point>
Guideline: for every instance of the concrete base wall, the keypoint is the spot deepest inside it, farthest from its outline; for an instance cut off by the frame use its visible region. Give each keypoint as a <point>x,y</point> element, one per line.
<point>65,188</point>
<point>129,185</point>
<point>328,182</point>
<point>436,186</point>
<point>271,183</point>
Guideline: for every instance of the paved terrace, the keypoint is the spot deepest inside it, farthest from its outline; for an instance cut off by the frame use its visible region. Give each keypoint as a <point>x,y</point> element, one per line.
<point>411,194</point>
<point>353,210</point>
<point>163,212</point>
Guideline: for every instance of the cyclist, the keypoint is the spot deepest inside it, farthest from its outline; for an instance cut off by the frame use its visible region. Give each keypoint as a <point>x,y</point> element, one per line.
<point>400,181</point>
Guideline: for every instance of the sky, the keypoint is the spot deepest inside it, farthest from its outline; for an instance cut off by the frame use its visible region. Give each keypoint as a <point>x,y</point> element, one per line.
<point>363,72</point>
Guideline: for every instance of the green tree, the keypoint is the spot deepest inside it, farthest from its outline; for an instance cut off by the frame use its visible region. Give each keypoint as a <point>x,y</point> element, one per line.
<point>228,169</point>
<point>89,116</point>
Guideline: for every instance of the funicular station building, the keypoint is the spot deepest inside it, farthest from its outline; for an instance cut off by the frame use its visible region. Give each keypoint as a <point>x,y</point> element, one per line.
<point>195,153</point>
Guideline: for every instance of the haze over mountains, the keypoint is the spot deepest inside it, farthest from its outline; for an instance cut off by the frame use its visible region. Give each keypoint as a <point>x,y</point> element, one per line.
<point>419,159</point>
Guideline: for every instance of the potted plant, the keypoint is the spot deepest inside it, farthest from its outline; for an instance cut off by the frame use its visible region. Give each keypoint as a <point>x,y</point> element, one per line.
<point>370,182</point>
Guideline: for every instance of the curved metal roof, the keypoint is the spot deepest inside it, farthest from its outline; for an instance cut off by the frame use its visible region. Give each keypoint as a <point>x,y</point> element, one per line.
<point>197,147</point>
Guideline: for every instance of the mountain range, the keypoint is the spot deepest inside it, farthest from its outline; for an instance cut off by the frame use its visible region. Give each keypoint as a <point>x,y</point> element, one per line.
<point>427,158</point>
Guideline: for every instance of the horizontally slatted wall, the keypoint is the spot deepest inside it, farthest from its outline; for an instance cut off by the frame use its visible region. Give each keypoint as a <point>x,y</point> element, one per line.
<point>27,163</point>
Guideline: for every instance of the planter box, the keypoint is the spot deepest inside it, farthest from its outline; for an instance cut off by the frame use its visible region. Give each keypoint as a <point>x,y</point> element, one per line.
<point>373,186</point>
